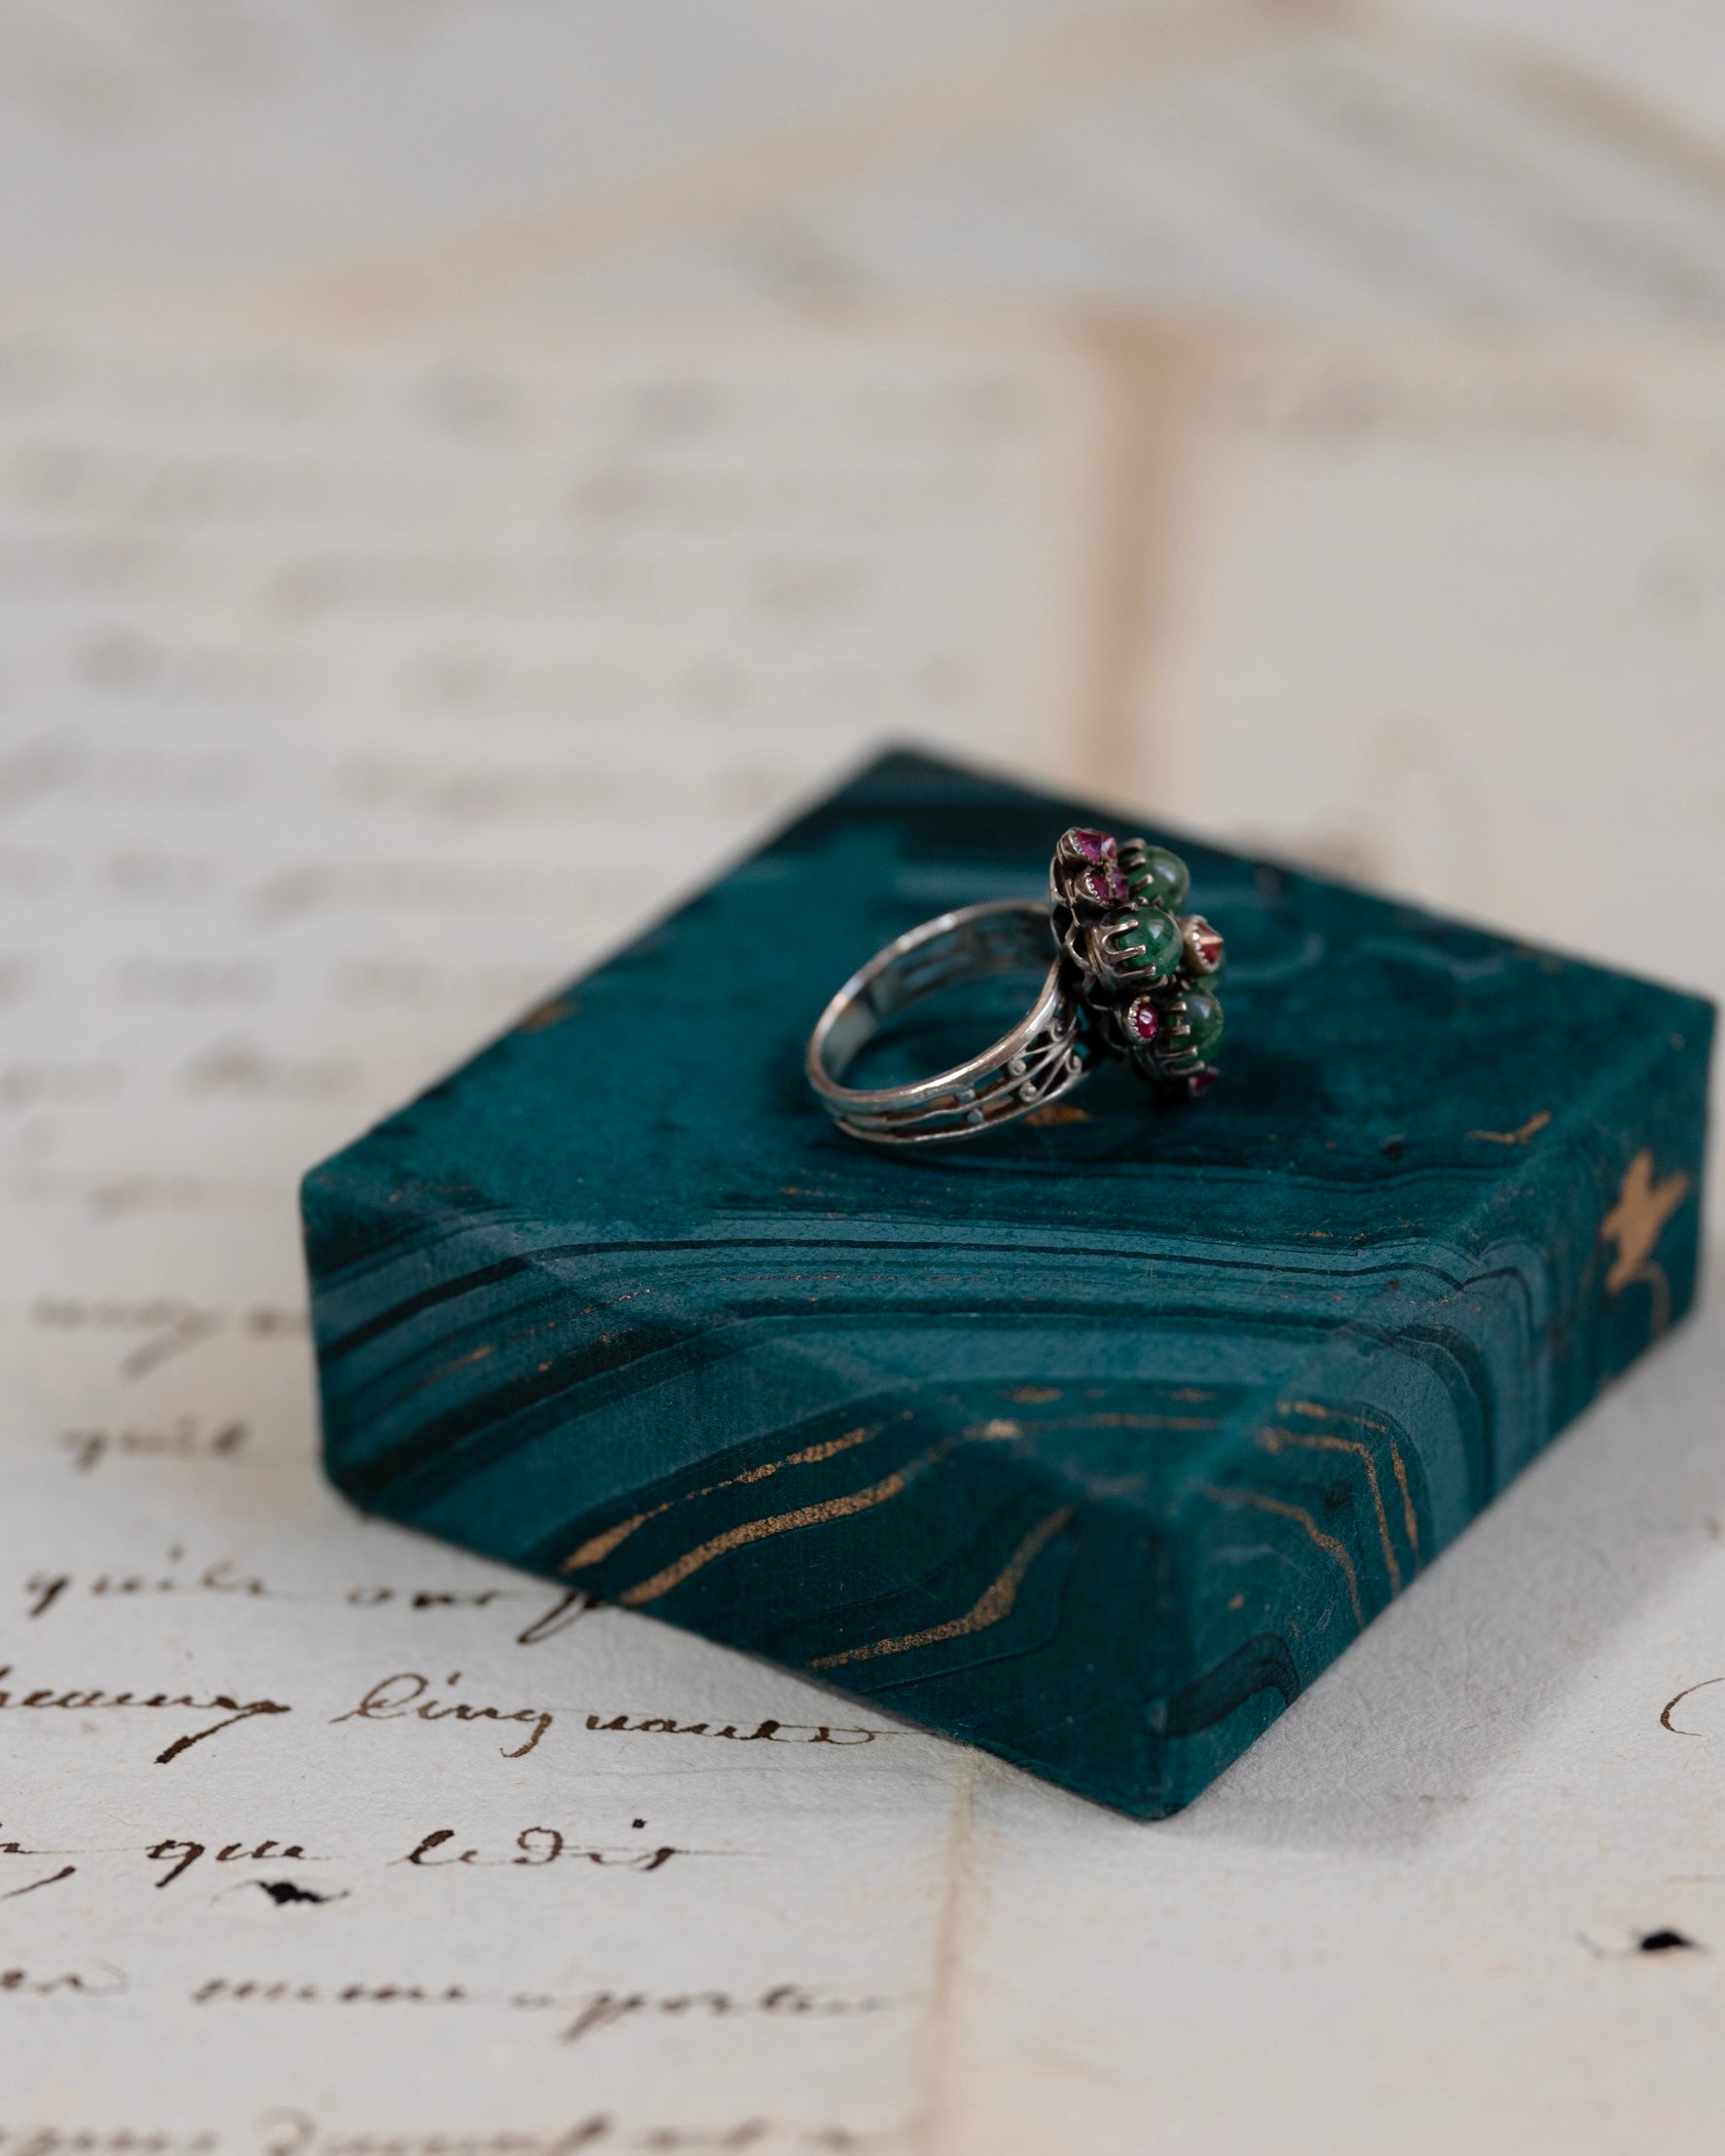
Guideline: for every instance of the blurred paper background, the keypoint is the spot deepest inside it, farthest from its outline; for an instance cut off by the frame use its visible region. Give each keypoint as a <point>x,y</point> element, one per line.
<point>1381,465</point>
<point>466,471</point>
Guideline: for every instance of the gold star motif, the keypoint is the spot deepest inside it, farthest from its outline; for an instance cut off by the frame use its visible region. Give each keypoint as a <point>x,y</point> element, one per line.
<point>1637,1221</point>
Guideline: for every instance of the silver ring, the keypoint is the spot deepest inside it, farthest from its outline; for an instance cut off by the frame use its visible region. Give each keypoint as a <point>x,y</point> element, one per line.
<point>1045,1054</point>
<point>1130,977</point>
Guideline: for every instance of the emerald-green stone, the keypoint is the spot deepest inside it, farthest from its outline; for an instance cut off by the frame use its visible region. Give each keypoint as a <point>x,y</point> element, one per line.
<point>1157,877</point>
<point>1156,946</point>
<point>1201,1014</point>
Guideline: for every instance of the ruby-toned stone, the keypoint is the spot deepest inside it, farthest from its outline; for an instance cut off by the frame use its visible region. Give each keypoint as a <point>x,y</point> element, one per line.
<point>1201,1081</point>
<point>1142,1022</point>
<point>1106,884</point>
<point>1093,845</point>
<point>1203,946</point>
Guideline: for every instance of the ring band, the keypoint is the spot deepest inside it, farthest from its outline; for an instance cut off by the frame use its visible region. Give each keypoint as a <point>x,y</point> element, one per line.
<point>1045,1055</point>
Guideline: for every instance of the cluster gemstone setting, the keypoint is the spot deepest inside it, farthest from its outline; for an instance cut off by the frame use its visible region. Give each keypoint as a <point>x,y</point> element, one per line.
<point>1144,972</point>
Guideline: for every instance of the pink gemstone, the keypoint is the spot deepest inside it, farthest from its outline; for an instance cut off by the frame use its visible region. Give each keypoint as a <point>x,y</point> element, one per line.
<point>1201,1081</point>
<point>1107,885</point>
<point>1203,943</point>
<point>1142,1022</point>
<point>1093,845</point>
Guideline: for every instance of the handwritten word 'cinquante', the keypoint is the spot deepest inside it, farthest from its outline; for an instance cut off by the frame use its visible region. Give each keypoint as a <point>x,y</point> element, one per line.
<point>589,2013</point>
<point>232,1710</point>
<point>410,1693</point>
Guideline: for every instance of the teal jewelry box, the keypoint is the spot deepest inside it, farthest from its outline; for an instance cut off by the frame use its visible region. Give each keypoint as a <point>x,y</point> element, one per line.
<point>1091,1443</point>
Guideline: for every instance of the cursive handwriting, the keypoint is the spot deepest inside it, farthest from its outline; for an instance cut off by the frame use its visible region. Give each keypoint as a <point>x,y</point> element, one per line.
<point>588,2013</point>
<point>166,1325</point>
<point>180,1856</point>
<point>232,1710</point>
<point>95,1980</point>
<point>768,1732</point>
<point>601,2010</point>
<point>49,1879</point>
<point>77,2140</point>
<point>289,2133</point>
<point>45,1590</point>
<point>177,1854</point>
<point>1680,1729</point>
<point>182,1440</point>
<point>541,1845</point>
<point>410,1693</point>
<point>567,1604</point>
<point>284,2131</point>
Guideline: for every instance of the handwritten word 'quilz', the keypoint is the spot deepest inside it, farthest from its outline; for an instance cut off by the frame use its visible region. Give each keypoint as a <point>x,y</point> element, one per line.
<point>185,1438</point>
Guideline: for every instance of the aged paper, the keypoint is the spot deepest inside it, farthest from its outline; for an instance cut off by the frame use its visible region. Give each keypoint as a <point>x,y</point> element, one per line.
<point>349,704</point>
<point>1374,160</point>
<point>1448,614</point>
<point>353,700</point>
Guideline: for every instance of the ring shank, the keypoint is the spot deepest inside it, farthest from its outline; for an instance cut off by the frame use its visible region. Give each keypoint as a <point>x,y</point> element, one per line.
<point>1041,1057</point>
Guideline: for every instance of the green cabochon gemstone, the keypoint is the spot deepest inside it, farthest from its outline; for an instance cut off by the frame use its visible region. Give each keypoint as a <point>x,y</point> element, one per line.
<point>1157,877</point>
<point>1154,947</point>
<point>1195,1021</point>
<point>1091,1443</point>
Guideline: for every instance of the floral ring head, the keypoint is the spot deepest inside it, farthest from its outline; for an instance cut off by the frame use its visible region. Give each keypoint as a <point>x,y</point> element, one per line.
<point>1145,972</point>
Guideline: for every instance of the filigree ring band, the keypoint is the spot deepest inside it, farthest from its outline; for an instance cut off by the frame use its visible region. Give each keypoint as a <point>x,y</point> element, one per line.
<point>1043,1056</point>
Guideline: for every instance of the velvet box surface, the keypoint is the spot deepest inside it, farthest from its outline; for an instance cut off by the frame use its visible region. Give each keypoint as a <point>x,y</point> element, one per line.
<point>1091,1443</point>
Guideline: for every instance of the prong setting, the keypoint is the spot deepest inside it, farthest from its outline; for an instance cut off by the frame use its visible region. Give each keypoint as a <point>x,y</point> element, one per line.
<point>1142,973</point>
